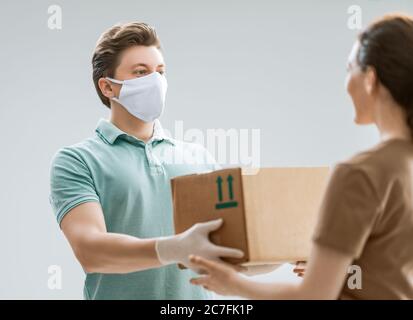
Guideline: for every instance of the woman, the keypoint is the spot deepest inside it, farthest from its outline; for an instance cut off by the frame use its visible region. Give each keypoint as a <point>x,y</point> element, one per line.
<point>366,218</point>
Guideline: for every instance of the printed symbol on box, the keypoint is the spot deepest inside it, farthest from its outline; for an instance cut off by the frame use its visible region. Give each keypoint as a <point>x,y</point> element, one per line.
<point>227,204</point>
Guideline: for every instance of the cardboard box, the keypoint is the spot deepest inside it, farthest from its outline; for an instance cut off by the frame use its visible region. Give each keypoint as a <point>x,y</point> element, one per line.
<point>270,215</point>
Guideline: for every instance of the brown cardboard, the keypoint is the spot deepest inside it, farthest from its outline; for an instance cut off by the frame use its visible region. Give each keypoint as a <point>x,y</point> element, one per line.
<point>269,215</point>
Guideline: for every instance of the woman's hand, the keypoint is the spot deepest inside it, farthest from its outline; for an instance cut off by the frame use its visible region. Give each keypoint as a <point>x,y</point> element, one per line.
<point>259,269</point>
<point>218,277</point>
<point>300,268</point>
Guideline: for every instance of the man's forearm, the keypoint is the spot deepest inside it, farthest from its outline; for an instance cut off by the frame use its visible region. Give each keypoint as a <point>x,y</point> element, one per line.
<point>117,253</point>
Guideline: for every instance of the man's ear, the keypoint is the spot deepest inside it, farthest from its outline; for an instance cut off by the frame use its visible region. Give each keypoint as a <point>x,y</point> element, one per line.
<point>370,80</point>
<point>106,88</point>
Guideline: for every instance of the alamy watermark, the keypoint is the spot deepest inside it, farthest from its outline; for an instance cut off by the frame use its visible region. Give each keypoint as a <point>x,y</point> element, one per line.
<point>54,21</point>
<point>227,147</point>
<point>54,281</point>
<point>354,280</point>
<point>354,21</point>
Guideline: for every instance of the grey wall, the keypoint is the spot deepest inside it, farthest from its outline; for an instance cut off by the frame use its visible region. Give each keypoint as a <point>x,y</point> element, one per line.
<point>277,66</point>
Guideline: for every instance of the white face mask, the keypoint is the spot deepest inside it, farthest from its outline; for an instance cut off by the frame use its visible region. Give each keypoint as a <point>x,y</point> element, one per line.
<point>143,97</point>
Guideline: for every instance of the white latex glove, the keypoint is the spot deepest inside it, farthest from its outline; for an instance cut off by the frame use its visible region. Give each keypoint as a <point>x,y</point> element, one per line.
<point>195,240</point>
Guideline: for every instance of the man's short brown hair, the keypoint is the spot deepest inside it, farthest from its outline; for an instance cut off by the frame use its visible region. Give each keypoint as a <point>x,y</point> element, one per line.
<point>112,42</point>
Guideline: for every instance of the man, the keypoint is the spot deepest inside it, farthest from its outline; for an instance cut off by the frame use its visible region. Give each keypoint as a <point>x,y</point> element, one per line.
<point>111,192</point>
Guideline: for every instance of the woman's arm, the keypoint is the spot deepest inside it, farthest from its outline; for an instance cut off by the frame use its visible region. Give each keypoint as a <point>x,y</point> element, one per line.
<point>324,279</point>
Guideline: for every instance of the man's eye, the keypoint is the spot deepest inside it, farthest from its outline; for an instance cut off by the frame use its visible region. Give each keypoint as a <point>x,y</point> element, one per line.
<point>140,72</point>
<point>161,72</point>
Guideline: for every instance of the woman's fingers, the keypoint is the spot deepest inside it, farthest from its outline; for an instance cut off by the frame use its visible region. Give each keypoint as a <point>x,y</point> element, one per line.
<point>204,266</point>
<point>200,281</point>
<point>300,265</point>
<point>235,267</point>
<point>219,277</point>
<point>201,263</point>
<point>300,268</point>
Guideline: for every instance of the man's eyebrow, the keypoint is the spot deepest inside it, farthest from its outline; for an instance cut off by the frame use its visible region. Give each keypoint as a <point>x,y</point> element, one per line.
<point>145,65</point>
<point>139,65</point>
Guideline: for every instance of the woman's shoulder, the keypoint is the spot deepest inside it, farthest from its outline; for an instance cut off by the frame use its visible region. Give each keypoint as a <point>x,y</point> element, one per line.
<point>385,155</point>
<point>384,162</point>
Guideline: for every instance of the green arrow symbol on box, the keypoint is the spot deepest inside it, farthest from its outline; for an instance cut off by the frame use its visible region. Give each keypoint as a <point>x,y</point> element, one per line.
<point>219,183</point>
<point>230,179</point>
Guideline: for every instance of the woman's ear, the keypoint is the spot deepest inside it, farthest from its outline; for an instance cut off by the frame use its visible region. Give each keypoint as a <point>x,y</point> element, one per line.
<point>106,88</point>
<point>370,80</point>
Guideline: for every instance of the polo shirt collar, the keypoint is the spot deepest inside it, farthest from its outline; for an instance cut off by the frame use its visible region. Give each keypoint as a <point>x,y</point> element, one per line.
<point>109,132</point>
<point>159,133</point>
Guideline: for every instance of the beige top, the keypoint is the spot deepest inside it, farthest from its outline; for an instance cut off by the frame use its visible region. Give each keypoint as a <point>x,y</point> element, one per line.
<point>367,212</point>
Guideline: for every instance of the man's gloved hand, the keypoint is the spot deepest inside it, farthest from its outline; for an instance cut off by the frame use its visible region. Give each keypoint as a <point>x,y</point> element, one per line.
<point>195,240</point>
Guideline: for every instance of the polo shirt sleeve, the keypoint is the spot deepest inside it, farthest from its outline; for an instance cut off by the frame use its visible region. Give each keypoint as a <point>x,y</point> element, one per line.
<point>348,212</point>
<point>71,183</point>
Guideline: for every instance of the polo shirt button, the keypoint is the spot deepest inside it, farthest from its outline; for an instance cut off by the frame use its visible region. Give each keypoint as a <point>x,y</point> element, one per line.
<point>156,170</point>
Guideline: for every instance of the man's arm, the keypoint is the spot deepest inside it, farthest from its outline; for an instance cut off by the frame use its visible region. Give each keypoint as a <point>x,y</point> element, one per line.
<point>100,251</point>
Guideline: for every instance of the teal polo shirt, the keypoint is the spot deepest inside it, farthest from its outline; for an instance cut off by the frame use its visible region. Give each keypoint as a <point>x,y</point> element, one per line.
<point>131,181</point>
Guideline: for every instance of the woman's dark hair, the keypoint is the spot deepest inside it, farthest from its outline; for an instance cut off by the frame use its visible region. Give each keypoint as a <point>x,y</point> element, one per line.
<point>387,46</point>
